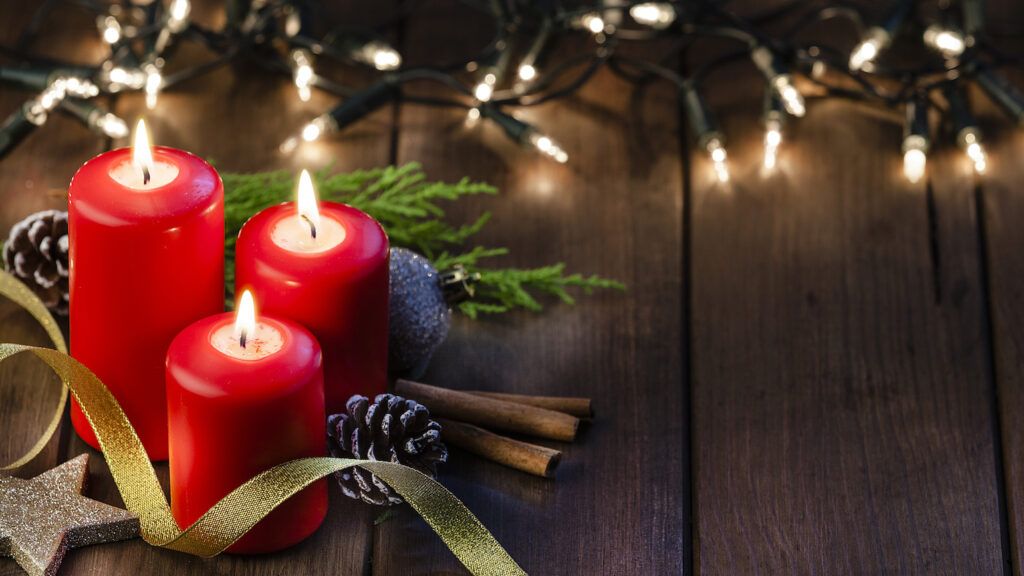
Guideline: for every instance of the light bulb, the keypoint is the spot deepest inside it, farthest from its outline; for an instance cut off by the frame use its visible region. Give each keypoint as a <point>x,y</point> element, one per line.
<point>527,72</point>
<point>111,125</point>
<point>791,97</point>
<point>153,82</point>
<point>657,15</point>
<point>548,147</point>
<point>772,139</point>
<point>110,29</point>
<point>593,22</point>
<point>379,55</point>
<point>915,157</point>
<point>870,46</point>
<point>80,87</point>
<point>320,125</point>
<point>976,153</point>
<point>485,88</point>
<point>302,73</point>
<point>178,15</point>
<point>718,157</point>
<point>948,42</point>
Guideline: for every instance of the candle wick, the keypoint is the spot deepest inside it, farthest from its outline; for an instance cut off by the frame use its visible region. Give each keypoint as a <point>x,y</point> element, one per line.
<point>242,339</point>
<point>312,226</point>
<point>145,175</point>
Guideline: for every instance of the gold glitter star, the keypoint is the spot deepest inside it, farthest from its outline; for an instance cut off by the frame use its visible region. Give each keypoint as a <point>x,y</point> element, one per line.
<point>41,518</point>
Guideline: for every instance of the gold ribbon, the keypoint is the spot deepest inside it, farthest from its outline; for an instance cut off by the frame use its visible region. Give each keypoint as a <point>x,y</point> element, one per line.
<point>229,519</point>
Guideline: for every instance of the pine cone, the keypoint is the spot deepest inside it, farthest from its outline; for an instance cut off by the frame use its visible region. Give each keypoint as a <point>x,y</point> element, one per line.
<point>390,429</point>
<point>36,252</point>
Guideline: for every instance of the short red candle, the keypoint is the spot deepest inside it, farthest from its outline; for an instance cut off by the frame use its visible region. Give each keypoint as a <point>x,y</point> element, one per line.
<point>146,261</point>
<point>340,293</point>
<point>231,418</point>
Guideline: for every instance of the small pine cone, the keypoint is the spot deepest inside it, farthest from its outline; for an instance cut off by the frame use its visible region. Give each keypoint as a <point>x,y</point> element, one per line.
<point>36,252</point>
<point>389,429</point>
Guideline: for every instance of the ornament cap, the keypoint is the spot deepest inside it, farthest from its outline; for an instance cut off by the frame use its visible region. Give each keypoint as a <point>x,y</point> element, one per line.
<point>458,284</point>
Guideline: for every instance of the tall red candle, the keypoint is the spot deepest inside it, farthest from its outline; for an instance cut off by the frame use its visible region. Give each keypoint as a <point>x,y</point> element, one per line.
<point>335,283</point>
<point>236,411</point>
<point>147,259</point>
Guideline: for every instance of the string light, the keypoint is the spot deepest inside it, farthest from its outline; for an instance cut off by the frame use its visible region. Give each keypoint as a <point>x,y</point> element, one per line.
<point>704,127</point>
<point>864,54</point>
<point>352,109</point>
<point>485,88</point>
<point>592,22</point>
<point>524,133</point>
<point>154,80</point>
<point>377,54</point>
<point>96,118</point>
<point>916,141</point>
<point>779,79</point>
<point>177,16</point>
<point>773,118</point>
<point>302,72</point>
<point>527,70</point>
<point>657,15</point>
<point>110,28</point>
<point>947,41</point>
<point>968,135</point>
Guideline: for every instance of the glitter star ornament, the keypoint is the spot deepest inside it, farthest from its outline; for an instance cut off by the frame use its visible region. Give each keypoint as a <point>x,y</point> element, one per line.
<point>41,518</point>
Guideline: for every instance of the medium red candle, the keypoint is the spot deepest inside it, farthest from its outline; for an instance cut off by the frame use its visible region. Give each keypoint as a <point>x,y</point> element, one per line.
<point>146,232</point>
<point>242,397</point>
<point>325,267</point>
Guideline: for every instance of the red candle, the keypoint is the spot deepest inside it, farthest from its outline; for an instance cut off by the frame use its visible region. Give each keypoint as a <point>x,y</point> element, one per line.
<point>325,267</point>
<point>242,397</point>
<point>146,232</point>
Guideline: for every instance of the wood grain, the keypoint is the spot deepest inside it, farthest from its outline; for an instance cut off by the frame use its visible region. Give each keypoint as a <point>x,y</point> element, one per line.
<point>841,399</point>
<point>619,504</point>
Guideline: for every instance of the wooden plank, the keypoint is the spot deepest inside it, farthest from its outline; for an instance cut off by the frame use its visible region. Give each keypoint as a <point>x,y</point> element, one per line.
<point>619,502</point>
<point>1000,212</point>
<point>841,401</point>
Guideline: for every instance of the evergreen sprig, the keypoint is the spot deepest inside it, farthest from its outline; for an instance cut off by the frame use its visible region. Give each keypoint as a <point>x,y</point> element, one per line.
<point>410,209</point>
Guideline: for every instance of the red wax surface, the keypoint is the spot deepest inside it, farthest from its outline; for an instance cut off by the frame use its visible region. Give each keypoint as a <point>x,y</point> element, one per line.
<point>340,294</point>
<point>231,419</point>
<point>144,264</point>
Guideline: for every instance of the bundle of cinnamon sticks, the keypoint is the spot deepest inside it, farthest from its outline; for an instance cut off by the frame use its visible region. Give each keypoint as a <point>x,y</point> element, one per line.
<point>464,417</point>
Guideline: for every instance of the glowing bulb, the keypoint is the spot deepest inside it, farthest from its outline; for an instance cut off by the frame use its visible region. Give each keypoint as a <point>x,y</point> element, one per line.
<point>153,82</point>
<point>111,125</point>
<point>527,72</point>
<point>80,87</point>
<point>178,14</point>
<point>110,29</point>
<point>718,157</point>
<point>949,42</point>
<point>772,139</point>
<point>914,162</point>
<point>791,97</point>
<point>386,58</point>
<point>142,151</point>
<point>309,212</point>
<point>485,89</point>
<point>657,15</point>
<point>311,132</point>
<point>302,73</point>
<point>245,318</point>
<point>977,155</point>
<point>865,53</point>
<point>548,147</point>
<point>592,21</point>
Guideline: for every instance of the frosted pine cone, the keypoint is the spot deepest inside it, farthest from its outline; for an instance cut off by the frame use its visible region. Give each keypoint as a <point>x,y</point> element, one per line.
<point>389,429</point>
<point>36,252</point>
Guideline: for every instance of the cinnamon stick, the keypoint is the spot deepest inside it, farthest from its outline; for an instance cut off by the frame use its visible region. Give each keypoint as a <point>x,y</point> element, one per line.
<point>491,412</point>
<point>530,458</point>
<point>579,407</point>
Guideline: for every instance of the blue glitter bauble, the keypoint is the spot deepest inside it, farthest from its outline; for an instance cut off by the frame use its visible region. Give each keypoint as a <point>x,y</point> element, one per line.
<point>419,315</point>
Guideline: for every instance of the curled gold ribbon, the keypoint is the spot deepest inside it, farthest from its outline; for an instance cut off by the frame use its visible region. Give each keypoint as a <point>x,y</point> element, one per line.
<point>229,519</point>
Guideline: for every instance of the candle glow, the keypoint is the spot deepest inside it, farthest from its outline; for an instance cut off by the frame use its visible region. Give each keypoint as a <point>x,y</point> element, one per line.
<point>308,210</point>
<point>142,151</point>
<point>245,318</point>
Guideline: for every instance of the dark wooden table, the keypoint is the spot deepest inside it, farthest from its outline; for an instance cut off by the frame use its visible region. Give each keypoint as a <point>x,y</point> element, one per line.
<point>813,372</point>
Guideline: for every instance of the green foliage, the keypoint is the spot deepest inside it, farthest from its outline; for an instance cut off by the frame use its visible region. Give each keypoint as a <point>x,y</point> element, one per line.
<point>410,210</point>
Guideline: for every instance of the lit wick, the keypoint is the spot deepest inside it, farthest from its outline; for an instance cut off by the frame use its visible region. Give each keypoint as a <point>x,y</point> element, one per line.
<point>245,318</point>
<point>309,212</point>
<point>142,152</point>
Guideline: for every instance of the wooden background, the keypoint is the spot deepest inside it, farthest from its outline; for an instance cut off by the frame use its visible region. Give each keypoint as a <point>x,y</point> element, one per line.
<point>816,371</point>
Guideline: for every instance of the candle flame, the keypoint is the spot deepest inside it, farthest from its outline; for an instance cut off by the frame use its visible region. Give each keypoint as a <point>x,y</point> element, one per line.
<point>142,151</point>
<point>308,210</point>
<point>245,318</point>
